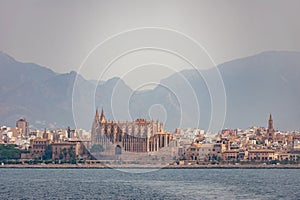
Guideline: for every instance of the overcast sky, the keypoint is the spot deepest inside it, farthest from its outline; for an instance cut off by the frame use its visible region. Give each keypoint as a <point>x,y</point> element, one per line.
<point>60,34</point>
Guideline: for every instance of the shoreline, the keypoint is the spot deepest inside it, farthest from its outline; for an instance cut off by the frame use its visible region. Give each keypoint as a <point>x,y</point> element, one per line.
<point>99,166</point>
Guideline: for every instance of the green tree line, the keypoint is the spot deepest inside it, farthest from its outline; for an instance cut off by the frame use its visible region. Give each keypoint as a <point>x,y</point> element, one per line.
<point>9,151</point>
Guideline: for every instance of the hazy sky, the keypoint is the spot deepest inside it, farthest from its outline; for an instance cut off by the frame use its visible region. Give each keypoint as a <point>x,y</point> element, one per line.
<point>60,34</point>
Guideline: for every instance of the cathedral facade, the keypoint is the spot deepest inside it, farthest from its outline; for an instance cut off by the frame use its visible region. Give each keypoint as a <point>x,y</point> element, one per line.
<point>138,136</point>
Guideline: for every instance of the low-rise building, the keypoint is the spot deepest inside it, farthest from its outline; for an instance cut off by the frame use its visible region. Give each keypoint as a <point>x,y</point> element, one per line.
<point>68,150</point>
<point>38,147</point>
<point>63,150</point>
<point>205,151</point>
<point>231,154</point>
<point>261,155</point>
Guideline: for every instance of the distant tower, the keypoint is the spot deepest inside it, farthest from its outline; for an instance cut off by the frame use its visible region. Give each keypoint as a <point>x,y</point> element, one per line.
<point>102,117</point>
<point>270,127</point>
<point>22,125</point>
<point>270,130</point>
<point>45,134</point>
<point>69,132</point>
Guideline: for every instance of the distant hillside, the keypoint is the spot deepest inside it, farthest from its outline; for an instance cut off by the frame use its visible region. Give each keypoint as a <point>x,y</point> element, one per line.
<point>262,84</point>
<point>255,86</point>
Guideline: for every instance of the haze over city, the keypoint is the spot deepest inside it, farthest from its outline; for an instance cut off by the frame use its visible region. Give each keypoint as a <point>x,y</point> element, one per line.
<point>60,36</point>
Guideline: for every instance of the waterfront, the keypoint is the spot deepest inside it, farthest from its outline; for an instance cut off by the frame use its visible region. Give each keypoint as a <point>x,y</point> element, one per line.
<point>150,167</point>
<point>157,184</point>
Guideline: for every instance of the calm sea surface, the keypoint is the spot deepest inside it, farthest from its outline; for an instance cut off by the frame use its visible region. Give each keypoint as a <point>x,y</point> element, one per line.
<point>159,184</point>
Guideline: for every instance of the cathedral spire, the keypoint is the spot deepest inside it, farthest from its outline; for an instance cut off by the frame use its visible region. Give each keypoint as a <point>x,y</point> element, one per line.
<point>102,118</point>
<point>97,114</point>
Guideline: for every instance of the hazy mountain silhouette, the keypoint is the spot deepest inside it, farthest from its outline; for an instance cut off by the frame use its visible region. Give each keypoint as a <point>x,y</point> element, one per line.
<point>262,84</point>
<point>255,86</point>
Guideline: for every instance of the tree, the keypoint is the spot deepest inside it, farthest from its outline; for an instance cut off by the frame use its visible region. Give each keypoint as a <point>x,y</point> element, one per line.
<point>61,155</point>
<point>48,153</point>
<point>214,157</point>
<point>72,155</point>
<point>9,152</point>
<point>64,151</point>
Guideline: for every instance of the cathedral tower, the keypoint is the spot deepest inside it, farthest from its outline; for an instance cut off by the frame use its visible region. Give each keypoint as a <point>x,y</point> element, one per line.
<point>102,118</point>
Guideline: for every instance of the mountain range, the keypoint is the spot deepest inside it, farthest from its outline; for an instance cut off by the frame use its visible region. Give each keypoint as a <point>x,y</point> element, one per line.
<point>254,87</point>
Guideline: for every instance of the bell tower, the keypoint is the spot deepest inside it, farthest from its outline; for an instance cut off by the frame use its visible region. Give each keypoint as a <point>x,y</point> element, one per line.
<point>270,130</point>
<point>270,123</point>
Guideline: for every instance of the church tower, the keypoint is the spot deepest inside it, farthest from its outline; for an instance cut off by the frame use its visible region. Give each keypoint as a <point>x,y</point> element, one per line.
<point>270,123</point>
<point>270,130</point>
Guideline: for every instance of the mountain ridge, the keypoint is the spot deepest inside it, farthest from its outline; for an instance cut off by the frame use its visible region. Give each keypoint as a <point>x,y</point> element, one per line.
<point>255,86</point>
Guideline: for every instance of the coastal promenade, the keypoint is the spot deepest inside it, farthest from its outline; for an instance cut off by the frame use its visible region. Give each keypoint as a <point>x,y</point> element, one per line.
<point>128,166</point>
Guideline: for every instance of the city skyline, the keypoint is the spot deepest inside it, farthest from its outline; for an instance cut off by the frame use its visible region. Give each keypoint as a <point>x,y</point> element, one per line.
<point>143,142</point>
<point>139,99</point>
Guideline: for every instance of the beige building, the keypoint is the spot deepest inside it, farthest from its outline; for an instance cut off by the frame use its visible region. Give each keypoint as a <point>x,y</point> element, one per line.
<point>63,150</point>
<point>205,151</point>
<point>230,154</point>
<point>261,155</point>
<point>192,151</point>
<point>38,147</point>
